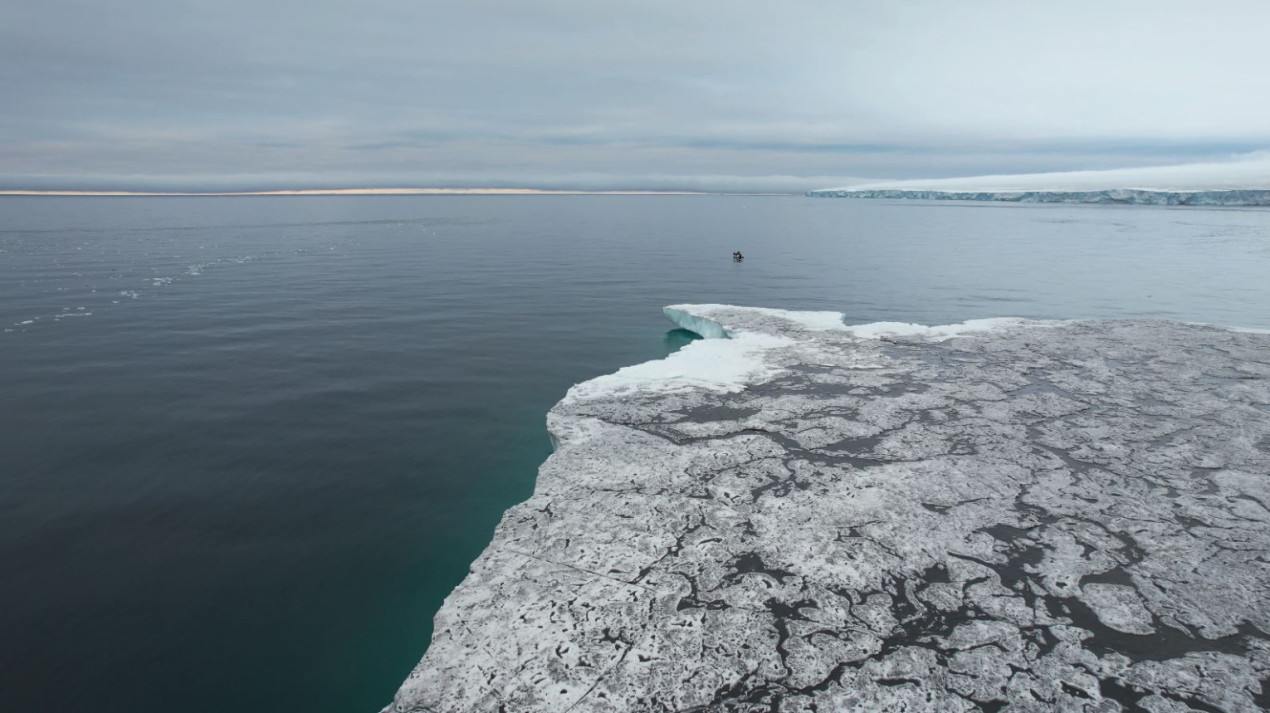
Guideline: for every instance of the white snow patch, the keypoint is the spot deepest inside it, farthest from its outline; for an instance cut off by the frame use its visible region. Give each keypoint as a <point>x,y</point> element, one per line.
<point>733,353</point>
<point>685,315</point>
<point>877,330</point>
<point>738,345</point>
<point>1230,328</point>
<point>719,364</point>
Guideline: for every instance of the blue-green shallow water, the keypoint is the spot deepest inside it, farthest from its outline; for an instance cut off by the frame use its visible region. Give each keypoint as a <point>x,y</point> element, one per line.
<point>266,435</point>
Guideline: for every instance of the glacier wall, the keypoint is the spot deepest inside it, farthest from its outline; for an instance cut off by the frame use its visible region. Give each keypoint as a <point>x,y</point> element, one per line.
<point>1122,196</point>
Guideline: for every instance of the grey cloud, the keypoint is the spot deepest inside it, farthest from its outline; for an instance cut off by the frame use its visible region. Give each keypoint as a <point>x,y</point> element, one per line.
<point>322,93</point>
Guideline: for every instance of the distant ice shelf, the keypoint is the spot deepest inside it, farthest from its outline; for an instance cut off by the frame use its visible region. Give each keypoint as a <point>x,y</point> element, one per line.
<point>1240,181</point>
<point>1124,196</point>
<point>796,514</point>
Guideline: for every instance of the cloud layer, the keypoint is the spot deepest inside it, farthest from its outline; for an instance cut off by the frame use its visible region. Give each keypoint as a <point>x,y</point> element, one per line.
<point>183,94</point>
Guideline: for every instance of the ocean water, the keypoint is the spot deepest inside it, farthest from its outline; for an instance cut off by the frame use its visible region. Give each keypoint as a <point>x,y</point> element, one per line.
<point>247,445</point>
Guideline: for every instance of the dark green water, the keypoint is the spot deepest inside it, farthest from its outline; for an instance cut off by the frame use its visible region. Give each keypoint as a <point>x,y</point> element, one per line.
<point>248,445</point>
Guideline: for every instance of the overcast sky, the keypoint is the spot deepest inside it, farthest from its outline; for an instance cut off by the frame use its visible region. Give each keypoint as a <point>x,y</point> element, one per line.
<point>586,93</point>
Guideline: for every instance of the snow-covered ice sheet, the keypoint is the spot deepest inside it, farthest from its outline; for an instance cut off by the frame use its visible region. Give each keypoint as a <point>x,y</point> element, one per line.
<point>801,515</point>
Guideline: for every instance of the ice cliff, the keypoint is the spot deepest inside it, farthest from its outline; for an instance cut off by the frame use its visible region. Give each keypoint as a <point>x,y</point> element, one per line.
<point>799,515</point>
<point>1242,181</point>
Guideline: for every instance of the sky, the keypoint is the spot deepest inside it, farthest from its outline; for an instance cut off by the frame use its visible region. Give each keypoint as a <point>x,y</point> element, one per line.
<point>702,95</point>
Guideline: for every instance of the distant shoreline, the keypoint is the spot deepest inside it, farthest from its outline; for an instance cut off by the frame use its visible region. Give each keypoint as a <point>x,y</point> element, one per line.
<point>1246,197</point>
<point>370,192</point>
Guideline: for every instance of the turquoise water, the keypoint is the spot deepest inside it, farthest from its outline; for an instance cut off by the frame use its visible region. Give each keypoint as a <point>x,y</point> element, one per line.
<point>247,445</point>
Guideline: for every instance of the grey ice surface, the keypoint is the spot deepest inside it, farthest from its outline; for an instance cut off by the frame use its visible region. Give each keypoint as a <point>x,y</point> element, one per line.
<point>1064,516</point>
<point>1246,197</point>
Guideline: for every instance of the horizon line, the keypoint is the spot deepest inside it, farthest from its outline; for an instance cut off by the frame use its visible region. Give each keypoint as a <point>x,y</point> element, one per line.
<point>375,192</point>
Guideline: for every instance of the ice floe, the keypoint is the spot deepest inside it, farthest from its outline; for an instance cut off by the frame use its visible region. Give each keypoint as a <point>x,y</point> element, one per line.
<point>792,516</point>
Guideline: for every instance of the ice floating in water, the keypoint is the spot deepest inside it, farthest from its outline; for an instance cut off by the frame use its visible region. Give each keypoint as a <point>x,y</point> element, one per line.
<point>742,353</point>
<point>796,514</point>
<point>695,318</point>
<point>721,364</point>
<point>725,360</point>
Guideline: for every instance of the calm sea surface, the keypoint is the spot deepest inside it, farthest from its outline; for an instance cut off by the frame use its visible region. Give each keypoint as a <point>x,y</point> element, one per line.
<point>247,445</point>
